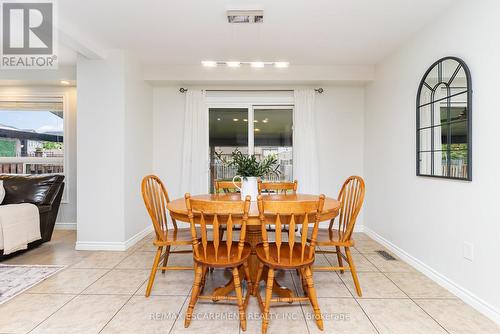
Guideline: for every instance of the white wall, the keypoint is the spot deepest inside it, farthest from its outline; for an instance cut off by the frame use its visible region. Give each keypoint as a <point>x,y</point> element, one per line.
<point>429,219</point>
<point>67,212</point>
<point>340,128</point>
<point>168,129</point>
<point>114,126</point>
<point>138,147</point>
<point>339,121</point>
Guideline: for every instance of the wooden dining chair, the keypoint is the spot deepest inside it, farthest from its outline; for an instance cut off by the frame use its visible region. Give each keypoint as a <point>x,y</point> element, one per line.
<point>277,187</point>
<point>270,188</point>
<point>351,198</point>
<point>210,252</point>
<point>155,198</point>
<point>226,187</point>
<point>290,254</point>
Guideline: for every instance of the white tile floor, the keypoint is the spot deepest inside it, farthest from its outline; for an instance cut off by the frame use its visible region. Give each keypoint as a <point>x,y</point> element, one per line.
<point>103,292</point>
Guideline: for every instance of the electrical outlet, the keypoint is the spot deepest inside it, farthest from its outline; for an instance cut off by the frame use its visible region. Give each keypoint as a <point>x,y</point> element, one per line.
<point>468,251</point>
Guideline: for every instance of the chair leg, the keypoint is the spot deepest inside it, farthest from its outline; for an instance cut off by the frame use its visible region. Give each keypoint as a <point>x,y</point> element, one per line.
<point>257,279</point>
<point>194,295</point>
<point>239,296</point>
<point>354,274</point>
<point>339,258</point>
<point>165,259</point>
<point>303,281</point>
<point>203,278</point>
<point>267,302</point>
<point>154,269</point>
<point>312,297</point>
<point>249,283</point>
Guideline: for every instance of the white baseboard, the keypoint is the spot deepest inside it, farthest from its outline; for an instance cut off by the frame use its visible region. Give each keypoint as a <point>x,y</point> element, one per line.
<point>138,237</point>
<point>100,246</point>
<point>468,297</point>
<point>65,226</point>
<point>114,245</point>
<point>359,228</point>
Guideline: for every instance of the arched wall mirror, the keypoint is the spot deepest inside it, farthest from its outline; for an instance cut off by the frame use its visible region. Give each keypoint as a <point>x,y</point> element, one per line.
<point>444,121</point>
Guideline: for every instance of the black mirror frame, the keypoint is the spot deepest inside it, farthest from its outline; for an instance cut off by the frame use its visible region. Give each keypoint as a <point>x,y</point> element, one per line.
<point>469,119</point>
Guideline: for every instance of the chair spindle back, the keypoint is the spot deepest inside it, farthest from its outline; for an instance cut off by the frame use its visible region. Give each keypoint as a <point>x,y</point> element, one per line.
<point>226,187</point>
<point>204,213</point>
<point>278,187</point>
<point>155,198</point>
<point>351,198</point>
<point>279,213</point>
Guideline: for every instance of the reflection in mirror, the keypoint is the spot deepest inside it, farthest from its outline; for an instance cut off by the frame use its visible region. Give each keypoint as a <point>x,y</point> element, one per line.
<point>432,78</point>
<point>443,121</point>
<point>438,168</point>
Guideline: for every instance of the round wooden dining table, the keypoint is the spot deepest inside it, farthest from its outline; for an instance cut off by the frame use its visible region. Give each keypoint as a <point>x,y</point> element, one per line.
<point>178,211</point>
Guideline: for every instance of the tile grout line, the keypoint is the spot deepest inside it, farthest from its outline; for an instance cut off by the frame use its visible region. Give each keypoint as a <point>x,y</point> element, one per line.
<point>300,303</point>
<point>384,273</point>
<point>80,293</point>
<point>136,290</point>
<point>106,271</point>
<point>418,305</point>
<point>408,297</point>
<point>121,307</point>
<point>179,313</point>
<point>355,299</point>
<point>76,295</point>
<point>180,310</point>
<point>50,315</point>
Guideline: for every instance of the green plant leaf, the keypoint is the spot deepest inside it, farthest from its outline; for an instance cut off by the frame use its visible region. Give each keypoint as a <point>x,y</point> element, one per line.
<point>249,166</point>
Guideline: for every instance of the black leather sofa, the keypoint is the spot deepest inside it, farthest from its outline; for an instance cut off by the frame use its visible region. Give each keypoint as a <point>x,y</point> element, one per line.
<point>45,191</point>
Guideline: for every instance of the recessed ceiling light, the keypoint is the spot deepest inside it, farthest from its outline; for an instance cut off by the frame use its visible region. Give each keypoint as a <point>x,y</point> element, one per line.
<point>256,130</point>
<point>256,121</point>
<point>265,120</point>
<point>64,82</point>
<point>257,64</point>
<point>281,64</point>
<point>235,119</point>
<point>245,16</point>
<point>218,119</point>
<point>245,120</point>
<point>209,63</point>
<point>233,64</point>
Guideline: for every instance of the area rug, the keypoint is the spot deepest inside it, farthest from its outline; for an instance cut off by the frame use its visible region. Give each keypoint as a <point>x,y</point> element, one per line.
<point>14,279</point>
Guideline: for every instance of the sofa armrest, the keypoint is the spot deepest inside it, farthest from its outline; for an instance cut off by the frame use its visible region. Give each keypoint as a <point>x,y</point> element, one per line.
<point>44,208</point>
<point>37,189</point>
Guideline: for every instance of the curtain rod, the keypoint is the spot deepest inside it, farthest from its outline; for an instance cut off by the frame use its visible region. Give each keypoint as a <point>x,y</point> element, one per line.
<point>183,90</point>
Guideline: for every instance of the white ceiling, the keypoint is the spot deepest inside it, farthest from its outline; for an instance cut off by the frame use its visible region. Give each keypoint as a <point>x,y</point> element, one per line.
<point>319,32</point>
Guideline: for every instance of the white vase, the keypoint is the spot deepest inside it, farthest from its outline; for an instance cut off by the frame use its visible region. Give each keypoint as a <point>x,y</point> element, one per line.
<point>249,186</point>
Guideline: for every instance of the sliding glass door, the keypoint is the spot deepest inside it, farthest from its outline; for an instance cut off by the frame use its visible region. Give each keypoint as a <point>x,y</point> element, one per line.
<point>227,132</point>
<point>259,130</point>
<point>273,134</point>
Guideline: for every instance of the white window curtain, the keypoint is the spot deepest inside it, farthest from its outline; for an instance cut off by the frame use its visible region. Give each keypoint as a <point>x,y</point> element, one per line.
<point>195,145</point>
<point>305,148</point>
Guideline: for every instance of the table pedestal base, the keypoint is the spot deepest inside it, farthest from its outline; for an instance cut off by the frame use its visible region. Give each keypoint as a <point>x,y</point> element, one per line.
<point>253,237</point>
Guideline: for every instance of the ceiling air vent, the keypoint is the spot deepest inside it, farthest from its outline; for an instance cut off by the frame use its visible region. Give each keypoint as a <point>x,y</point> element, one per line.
<point>245,16</point>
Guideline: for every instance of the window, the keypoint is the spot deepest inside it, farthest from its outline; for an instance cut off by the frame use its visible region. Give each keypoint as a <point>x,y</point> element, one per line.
<point>444,121</point>
<point>259,130</point>
<point>32,135</point>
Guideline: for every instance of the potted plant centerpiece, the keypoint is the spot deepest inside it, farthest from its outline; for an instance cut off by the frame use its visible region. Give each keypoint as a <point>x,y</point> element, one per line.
<point>249,170</point>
